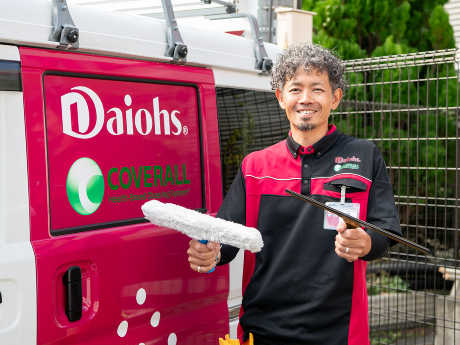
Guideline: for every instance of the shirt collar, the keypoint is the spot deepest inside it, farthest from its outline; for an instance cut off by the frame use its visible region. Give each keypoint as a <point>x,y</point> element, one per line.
<point>318,148</point>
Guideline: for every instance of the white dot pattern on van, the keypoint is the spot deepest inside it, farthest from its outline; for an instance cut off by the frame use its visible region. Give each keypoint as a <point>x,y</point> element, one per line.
<point>155,320</point>
<point>141,296</point>
<point>122,328</point>
<point>172,339</point>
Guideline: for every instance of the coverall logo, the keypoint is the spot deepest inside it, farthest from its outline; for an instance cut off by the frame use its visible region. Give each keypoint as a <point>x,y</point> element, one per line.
<point>339,167</point>
<point>85,186</point>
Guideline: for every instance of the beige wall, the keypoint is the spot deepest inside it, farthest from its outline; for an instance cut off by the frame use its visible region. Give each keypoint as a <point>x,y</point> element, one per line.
<point>293,26</point>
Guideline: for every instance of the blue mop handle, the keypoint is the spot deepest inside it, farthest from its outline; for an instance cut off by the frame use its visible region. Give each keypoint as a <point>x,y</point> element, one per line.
<point>204,242</point>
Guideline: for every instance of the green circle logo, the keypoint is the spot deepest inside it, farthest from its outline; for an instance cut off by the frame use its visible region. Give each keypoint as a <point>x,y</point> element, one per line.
<point>337,167</point>
<point>85,186</point>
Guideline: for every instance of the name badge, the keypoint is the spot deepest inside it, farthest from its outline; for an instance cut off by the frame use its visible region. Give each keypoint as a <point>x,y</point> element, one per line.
<point>331,220</point>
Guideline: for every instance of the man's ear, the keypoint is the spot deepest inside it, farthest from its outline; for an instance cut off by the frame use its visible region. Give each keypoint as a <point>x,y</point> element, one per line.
<point>279,95</point>
<point>336,98</point>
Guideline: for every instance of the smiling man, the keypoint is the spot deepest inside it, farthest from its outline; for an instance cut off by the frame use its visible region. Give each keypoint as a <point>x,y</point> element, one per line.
<point>307,285</point>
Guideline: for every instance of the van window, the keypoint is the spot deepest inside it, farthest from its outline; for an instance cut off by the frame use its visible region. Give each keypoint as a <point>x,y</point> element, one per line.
<point>248,121</point>
<point>10,76</point>
<point>115,144</point>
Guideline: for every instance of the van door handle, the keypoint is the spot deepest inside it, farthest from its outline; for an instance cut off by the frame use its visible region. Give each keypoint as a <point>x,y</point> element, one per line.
<point>72,285</point>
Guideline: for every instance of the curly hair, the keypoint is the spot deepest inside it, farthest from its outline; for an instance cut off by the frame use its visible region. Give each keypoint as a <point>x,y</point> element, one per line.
<point>309,56</point>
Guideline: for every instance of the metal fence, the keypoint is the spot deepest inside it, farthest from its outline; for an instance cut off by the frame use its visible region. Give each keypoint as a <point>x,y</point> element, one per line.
<point>408,106</point>
<point>248,121</point>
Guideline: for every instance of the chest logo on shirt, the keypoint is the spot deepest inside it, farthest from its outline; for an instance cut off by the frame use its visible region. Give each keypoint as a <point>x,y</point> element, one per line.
<point>346,160</point>
<point>339,167</point>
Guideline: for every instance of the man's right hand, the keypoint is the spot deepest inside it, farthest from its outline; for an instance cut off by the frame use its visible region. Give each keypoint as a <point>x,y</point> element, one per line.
<point>202,257</point>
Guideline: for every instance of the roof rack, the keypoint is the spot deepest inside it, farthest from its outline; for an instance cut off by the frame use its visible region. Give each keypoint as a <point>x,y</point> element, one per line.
<point>231,7</point>
<point>66,33</point>
<point>263,62</point>
<point>176,47</point>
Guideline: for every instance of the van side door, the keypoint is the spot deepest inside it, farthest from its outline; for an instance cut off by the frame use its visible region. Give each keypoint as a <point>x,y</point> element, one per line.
<point>104,136</point>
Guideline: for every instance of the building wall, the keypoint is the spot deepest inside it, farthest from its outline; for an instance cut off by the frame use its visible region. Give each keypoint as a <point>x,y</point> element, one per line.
<point>264,15</point>
<point>453,8</point>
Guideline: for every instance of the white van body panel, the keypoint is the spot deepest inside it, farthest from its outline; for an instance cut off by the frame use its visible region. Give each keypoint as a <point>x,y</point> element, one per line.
<point>246,79</point>
<point>241,80</point>
<point>29,22</point>
<point>9,53</point>
<point>233,329</point>
<point>18,310</point>
<point>236,280</point>
<point>235,295</point>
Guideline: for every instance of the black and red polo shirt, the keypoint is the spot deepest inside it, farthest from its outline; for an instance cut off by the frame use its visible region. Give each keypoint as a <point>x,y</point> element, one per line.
<point>297,290</point>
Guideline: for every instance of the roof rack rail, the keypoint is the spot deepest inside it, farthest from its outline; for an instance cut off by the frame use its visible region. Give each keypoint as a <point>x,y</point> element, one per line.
<point>231,7</point>
<point>176,47</point>
<point>263,62</point>
<point>65,32</point>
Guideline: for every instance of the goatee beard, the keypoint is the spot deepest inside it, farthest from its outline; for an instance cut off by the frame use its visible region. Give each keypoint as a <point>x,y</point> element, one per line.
<point>306,126</point>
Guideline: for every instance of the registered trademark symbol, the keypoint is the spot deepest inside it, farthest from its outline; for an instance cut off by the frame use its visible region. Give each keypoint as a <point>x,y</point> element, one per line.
<point>185,130</point>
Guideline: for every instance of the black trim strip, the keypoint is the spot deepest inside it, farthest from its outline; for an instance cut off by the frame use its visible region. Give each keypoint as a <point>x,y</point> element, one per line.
<point>101,226</point>
<point>233,313</point>
<point>10,76</point>
<point>98,226</point>
<point>133,221</point>
<point>333,188</point>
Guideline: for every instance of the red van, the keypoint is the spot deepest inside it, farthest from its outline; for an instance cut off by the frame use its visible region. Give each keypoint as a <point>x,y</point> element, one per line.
<point>92,125</point>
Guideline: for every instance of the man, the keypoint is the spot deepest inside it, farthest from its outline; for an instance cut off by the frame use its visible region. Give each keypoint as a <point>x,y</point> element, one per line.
<point>307,285</point>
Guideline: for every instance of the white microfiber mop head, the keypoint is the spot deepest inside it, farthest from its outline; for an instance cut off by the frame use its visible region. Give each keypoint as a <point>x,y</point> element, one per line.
<point>201,226</point>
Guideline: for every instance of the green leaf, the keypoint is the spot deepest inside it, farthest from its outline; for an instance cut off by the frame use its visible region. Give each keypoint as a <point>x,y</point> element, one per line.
<point>347,50</point>
<point>441,31</point>
<point>400,15</point>
<point>357,26</point>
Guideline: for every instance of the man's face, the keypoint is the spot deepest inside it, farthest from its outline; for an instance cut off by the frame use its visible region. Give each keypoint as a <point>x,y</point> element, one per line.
<point>308,99</point>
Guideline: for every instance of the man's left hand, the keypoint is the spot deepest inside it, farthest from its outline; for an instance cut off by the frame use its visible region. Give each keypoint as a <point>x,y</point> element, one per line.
<point>356,240</point>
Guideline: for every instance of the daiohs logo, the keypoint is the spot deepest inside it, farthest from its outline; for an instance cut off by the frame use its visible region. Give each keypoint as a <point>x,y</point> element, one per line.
<point>85,186</point>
